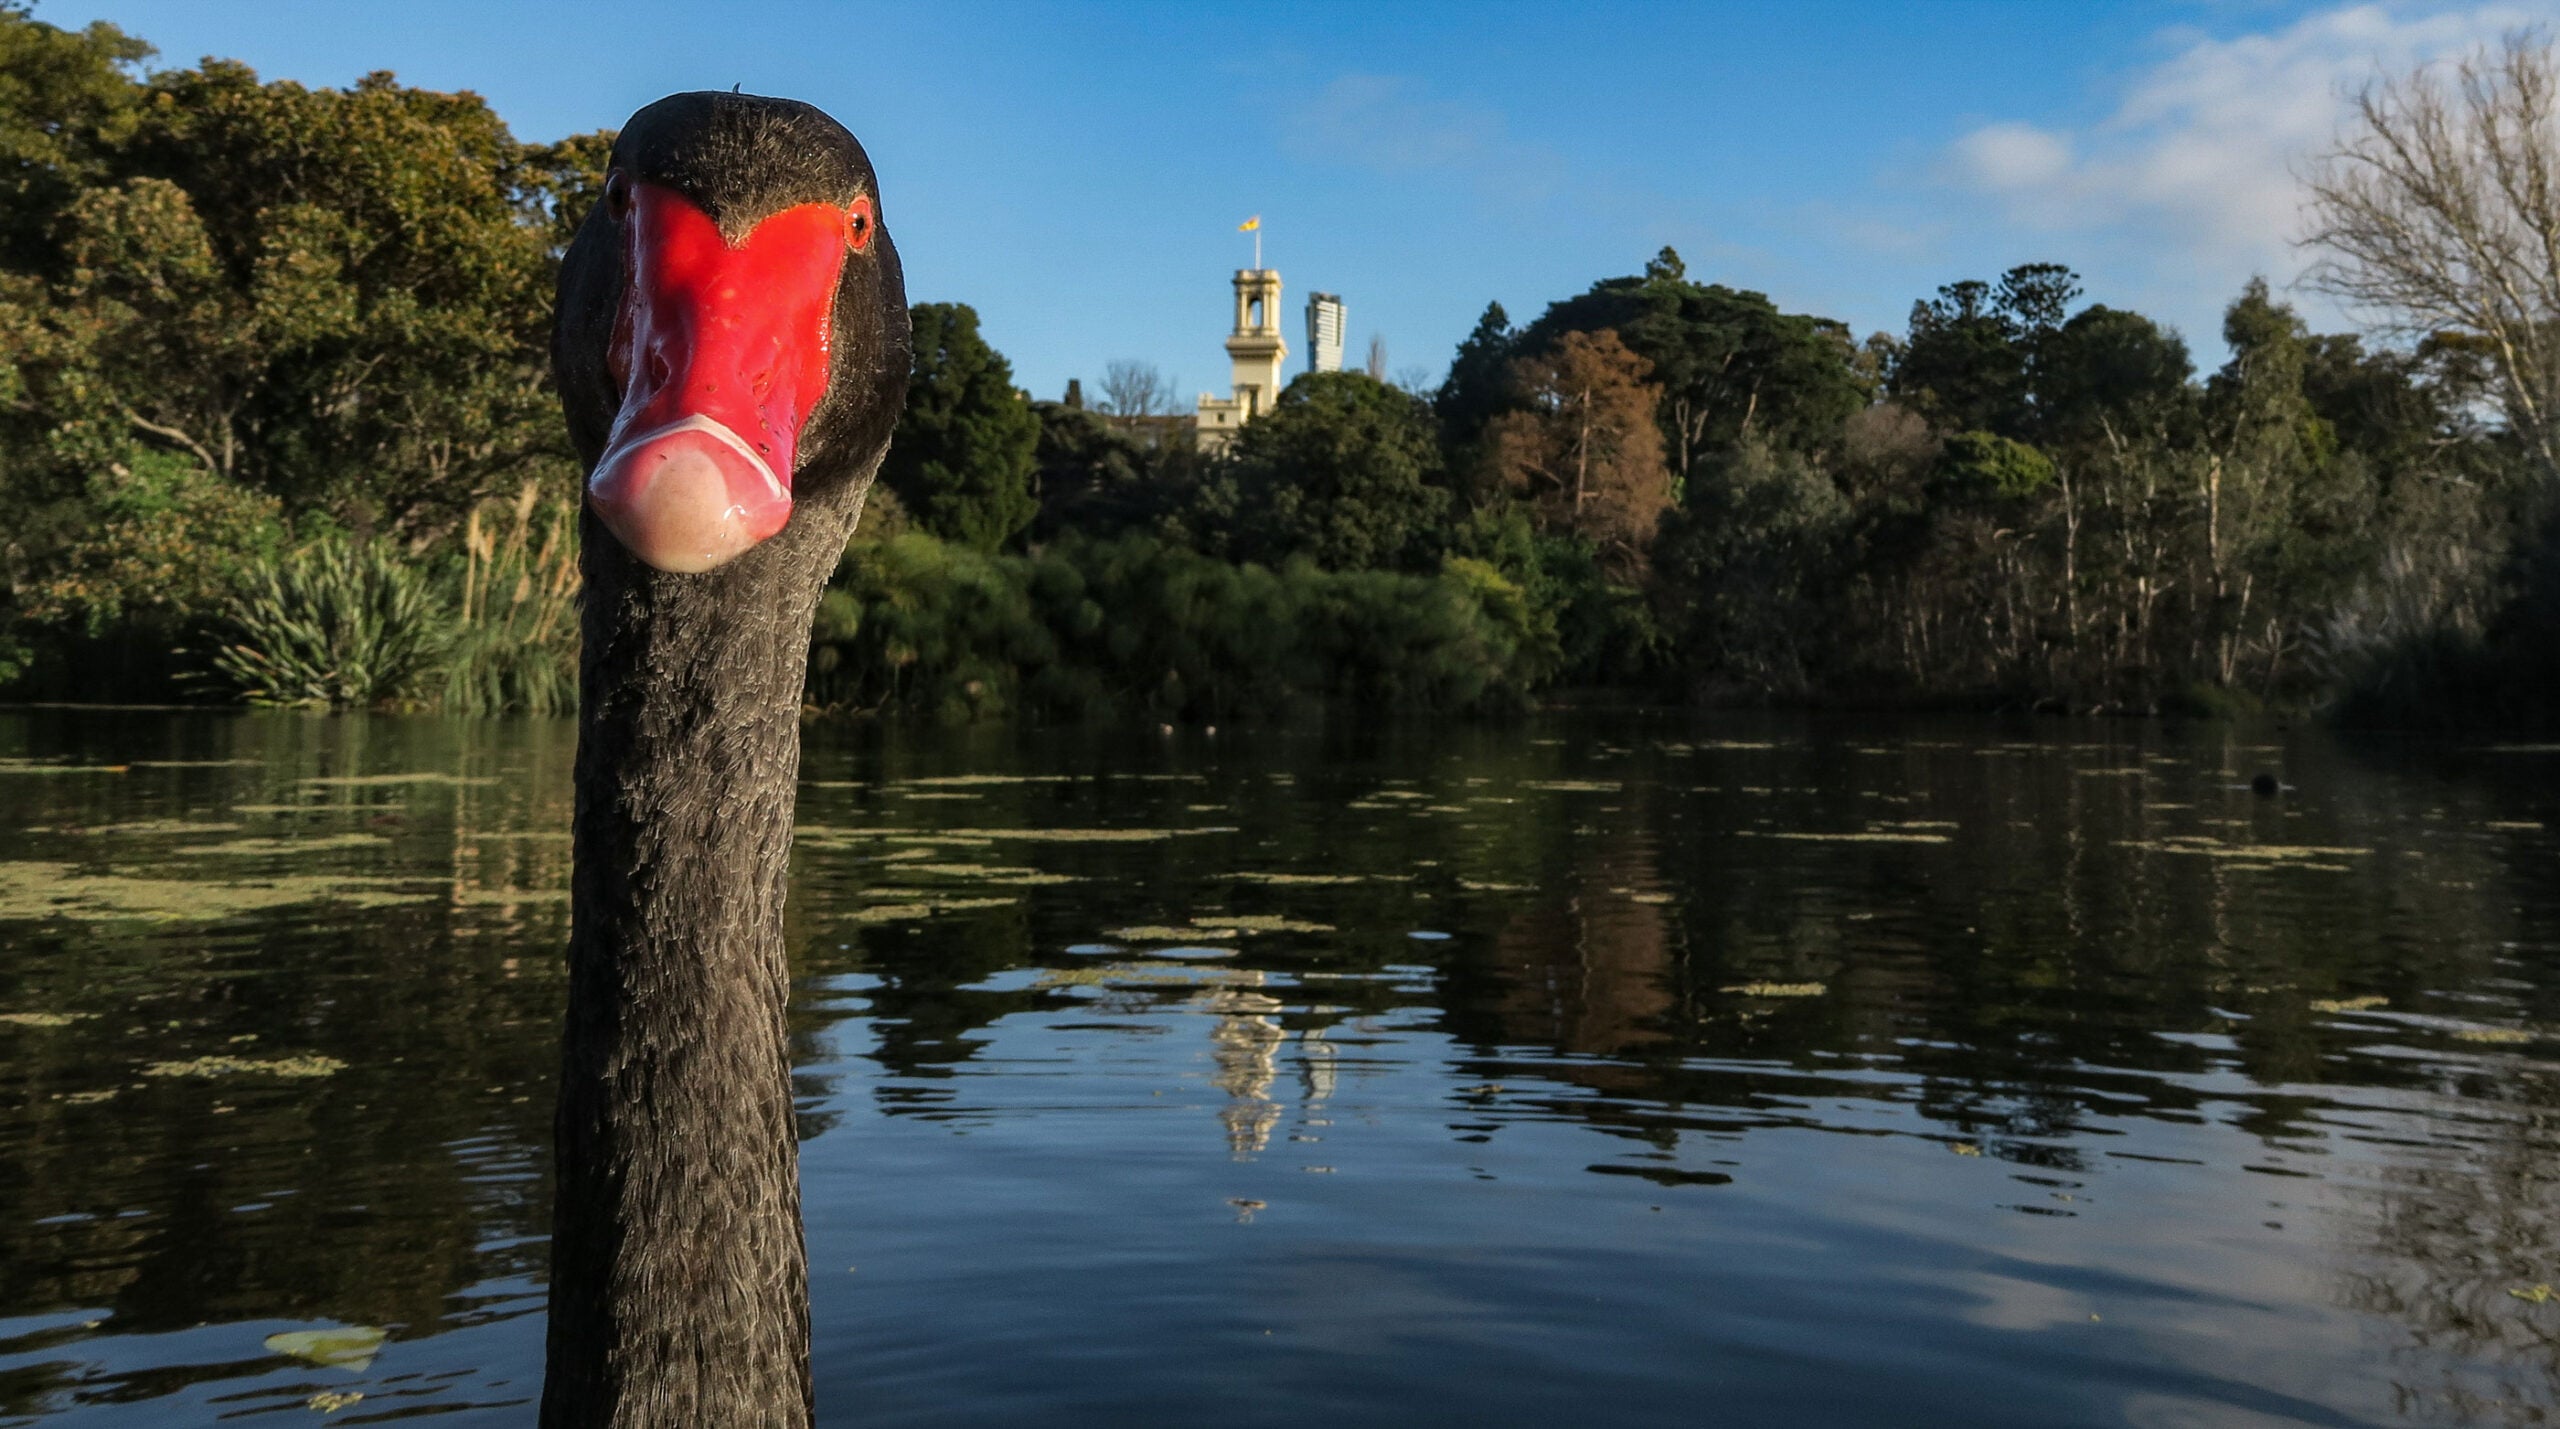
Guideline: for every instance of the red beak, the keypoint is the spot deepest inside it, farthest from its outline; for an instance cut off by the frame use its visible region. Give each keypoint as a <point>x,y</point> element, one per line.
<point>722,352</point>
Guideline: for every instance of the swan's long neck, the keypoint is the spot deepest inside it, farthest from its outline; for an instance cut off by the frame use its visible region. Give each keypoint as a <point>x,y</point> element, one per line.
<point>679,1291</point>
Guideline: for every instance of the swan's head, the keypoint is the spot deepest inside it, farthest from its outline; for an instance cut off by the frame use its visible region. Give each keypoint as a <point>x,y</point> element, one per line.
<point>732,334</point>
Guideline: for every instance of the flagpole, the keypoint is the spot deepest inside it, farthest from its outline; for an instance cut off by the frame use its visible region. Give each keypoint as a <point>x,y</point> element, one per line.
<point>1257,247</point>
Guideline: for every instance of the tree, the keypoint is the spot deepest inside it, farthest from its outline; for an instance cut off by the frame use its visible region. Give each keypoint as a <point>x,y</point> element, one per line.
<point>337,298</point>
<point>2440,213</point>
<point>961,461</point>
<point>1344,470</point>
<point>1131,388</point>
<point>1973,359</point>
<point>1729,365</point>
<point>66,99</point>
<point>1091,478</point>
<point>1478,383</point>
<point>1582,448</point>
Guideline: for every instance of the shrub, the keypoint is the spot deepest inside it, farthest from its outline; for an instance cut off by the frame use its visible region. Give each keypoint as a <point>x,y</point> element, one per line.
<point>338,624</point>
<point>1133,627</point>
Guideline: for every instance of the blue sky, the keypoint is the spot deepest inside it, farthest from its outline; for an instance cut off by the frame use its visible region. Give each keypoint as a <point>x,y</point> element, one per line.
<point>1076,171</point>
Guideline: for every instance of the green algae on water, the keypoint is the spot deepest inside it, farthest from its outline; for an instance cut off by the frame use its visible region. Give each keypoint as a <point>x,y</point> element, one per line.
<point>379,781</point>
<point>2496,1036</point>
<point>1264,923</point>
<point>156,828</point>
<point>220,1066</point>
<point>30,766</point>
<point>269,847</point>
<point>59,890</point>
<point>989,873</point>
<point>1870,836</point>
<point>922,909</point>
<point>1077,836</point>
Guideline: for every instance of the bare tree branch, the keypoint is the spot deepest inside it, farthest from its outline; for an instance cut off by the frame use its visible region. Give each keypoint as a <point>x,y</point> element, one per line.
<point>1131,388</point>
<point>2439,208</point>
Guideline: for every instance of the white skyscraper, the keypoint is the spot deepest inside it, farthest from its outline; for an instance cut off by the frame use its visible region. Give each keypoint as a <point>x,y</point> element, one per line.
<point>1324,332</point>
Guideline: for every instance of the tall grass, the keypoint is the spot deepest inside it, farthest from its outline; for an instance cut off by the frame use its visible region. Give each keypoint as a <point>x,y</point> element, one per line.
<point>516,642</point>
<point>338,624</point>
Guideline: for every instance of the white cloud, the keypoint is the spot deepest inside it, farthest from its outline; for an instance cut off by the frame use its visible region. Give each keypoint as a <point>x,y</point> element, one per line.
<point>2197,162</point>
<point>2012,158</point>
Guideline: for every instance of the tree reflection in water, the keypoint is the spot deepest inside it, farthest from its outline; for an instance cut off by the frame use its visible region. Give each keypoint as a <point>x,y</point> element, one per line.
<point>1693,963</point>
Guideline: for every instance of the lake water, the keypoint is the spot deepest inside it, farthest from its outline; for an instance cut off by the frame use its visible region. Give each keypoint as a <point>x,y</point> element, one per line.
<point>1603,1069</point>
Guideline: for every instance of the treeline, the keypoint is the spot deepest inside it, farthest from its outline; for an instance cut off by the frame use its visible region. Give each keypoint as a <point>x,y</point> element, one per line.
<point>275,424</point>
<point>1673,488</point>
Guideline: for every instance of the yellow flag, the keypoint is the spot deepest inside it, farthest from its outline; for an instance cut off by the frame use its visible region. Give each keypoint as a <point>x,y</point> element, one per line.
<point>1250,224</point>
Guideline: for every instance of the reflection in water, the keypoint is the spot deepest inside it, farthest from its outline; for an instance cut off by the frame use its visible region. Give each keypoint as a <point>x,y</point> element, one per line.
<point>2465,1249</point>
<point>1246,1043</point>
<point>1608,1061</point>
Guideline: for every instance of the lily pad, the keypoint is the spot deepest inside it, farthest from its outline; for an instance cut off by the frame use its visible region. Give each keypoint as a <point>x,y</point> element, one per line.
<point>348,1347</point>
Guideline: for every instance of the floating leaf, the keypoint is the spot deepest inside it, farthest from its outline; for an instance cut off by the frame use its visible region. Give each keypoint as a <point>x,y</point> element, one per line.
<point>348,1347</point>
<point>1779,989</point>
<point>43,1019</point>
<point>2348,1004</point>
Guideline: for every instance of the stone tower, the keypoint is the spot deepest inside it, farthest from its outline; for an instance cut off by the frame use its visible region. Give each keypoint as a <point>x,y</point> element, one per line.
<point>1257,351</point>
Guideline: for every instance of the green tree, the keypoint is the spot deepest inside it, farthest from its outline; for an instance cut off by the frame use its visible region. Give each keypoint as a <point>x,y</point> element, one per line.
<point>1091,477</point>
<point>67,98</point>
<point>1729,364</point>
<point>1345,470</point>
<point>335,297</point>
<point>1479,381</point>
<point>962,459</point>
<point>1971,361</point>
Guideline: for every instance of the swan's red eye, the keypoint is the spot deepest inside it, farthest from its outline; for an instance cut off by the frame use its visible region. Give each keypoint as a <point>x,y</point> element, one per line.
<point>617,195</point>
<point>857,224</point>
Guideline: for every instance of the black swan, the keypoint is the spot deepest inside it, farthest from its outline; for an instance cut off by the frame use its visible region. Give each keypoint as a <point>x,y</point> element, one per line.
<point>732,352</point>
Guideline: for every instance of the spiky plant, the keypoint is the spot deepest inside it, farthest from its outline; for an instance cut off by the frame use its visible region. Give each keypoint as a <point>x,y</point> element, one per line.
<point>338,624</point>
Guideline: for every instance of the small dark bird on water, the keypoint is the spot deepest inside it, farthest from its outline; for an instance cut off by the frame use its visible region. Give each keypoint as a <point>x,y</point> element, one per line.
<point>2265,785</point>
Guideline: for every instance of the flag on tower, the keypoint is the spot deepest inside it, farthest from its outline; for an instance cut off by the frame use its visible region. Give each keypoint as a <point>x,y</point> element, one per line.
<point>1250,224</point>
